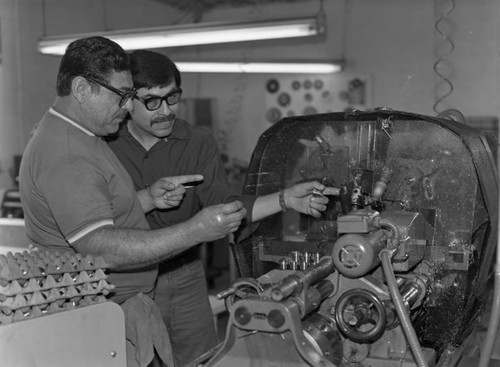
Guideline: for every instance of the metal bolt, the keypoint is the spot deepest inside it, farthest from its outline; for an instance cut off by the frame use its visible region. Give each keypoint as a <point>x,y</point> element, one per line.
<point>242,315</point>
<point>276,318</point>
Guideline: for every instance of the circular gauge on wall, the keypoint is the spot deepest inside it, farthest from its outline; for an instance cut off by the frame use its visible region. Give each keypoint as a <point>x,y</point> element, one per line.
<point>318,84</point>
<point>272,86</point>
<point>273,114</point>
<point>284,99</point>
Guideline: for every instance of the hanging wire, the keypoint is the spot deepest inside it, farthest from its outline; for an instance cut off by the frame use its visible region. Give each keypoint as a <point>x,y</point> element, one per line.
<point>321,15</point>
<point>442,57</point>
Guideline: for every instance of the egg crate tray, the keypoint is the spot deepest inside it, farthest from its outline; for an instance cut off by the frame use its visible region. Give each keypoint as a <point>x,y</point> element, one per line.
<point>38,283</point>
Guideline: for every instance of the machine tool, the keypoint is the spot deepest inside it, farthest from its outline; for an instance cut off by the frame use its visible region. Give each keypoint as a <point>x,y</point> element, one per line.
<point>396,272</point>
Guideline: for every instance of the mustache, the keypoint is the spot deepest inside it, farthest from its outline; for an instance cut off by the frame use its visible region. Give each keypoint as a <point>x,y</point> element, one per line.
<point>162,118</point>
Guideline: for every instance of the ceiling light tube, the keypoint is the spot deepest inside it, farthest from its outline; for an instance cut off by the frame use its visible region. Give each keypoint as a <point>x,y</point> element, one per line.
<point>260,67</point>
<point>194,34</point>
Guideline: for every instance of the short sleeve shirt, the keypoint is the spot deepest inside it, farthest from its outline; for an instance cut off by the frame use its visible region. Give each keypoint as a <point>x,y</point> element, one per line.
<point>71,184</point>
<point>188,150</point>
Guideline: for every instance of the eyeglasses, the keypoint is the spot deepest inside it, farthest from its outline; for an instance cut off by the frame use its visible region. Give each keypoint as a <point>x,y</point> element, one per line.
<point>153,103</point>
<point>124,96</point>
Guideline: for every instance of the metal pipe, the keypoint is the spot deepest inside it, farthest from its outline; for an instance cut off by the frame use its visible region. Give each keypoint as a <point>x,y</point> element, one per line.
<point>294,282</point>
<point>403,316</point>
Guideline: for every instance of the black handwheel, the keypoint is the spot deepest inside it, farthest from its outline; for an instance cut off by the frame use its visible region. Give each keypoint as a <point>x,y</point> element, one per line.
<point>360,315</point>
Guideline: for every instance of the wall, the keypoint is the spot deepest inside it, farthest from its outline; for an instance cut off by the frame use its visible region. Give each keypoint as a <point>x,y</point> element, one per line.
<point>10,130</point>
<point>399,47</point>
<point>240,114</point>
<point>392,41</point>
<point>27,79</point>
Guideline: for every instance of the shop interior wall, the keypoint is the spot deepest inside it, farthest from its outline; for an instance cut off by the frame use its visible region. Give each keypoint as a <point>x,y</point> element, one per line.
<point>394,42</point>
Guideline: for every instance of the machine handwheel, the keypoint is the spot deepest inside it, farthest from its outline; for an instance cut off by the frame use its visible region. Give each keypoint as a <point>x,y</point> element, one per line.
<point>360,315</point>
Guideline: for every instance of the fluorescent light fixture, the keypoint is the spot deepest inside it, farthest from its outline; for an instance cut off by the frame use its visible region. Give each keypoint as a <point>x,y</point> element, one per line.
<point>195,34</point>
<point>260,67</point>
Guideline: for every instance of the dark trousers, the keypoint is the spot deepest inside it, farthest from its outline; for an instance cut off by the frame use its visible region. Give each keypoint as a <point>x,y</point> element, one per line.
<point>182,296</point>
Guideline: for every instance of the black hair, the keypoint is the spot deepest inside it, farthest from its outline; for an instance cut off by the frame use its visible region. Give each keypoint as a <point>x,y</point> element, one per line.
<point>151,69</point>
<point>96,57</point>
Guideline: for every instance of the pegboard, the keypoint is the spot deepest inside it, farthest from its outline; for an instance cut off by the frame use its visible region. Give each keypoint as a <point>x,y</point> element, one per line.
<point>306,95</point>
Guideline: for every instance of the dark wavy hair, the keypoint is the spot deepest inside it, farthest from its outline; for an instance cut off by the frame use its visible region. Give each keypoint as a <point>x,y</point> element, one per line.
<point>152,69</point>
<point>95,57</point>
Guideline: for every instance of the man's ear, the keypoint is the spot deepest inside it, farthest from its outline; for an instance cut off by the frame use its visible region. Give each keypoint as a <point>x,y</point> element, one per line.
<point>80,88</point>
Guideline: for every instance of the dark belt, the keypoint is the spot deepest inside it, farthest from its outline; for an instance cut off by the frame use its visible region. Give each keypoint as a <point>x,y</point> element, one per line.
<point>184,258</point>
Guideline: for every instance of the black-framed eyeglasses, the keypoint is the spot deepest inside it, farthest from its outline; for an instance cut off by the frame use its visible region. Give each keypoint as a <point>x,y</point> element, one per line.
<point>124,96</point>
<point>153,103</point>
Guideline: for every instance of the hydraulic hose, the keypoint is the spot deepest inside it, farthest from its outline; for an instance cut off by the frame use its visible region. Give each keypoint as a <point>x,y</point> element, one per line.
<point>491,334</point>
<point>394,243</point>
<point>404,318</point>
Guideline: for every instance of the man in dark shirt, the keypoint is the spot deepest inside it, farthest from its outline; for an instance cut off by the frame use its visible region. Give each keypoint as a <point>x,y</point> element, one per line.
<point>154,143</point>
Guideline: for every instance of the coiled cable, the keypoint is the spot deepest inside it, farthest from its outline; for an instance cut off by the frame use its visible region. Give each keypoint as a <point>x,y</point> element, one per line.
<point>440,61</point>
